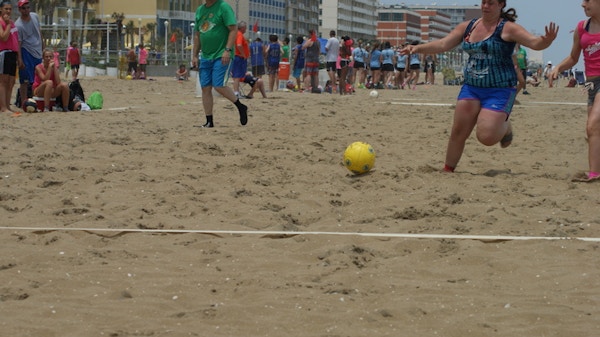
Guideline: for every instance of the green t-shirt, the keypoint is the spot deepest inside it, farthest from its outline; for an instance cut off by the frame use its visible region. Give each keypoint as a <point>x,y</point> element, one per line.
<point>213,24</point>
<point>286,52</point>
<point>522,58</point>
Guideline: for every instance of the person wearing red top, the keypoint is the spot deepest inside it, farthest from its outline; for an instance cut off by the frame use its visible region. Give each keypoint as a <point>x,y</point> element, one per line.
<point>10,56</point>
<point>47,82</point>
<point>240,62</point>
<point>74,58</point>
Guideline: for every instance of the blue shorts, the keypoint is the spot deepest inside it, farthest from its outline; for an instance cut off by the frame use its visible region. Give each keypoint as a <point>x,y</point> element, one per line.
<point>298,72</point>
<point>495,99</point>
<point>28,73</point>
<point>213,73</point>
<point>240,67</point>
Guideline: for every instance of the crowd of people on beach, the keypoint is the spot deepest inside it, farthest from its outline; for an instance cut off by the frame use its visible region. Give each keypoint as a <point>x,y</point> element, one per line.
<point>349,64</point>
<point>354,64</point>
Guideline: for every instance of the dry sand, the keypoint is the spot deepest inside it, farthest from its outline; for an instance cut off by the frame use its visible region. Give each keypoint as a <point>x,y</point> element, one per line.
<point>140,164</point>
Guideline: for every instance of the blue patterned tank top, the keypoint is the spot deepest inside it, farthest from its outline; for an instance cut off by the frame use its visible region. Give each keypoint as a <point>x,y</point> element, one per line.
<point>490,62</point>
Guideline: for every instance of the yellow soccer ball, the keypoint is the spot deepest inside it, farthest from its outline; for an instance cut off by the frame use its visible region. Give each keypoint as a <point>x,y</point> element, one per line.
<point>359,157</point>
<point>128,77</point>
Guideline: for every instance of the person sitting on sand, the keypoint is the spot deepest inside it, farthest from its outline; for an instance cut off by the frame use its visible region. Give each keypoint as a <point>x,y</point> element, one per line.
<point>255,83</point>
<point>47,82</point>
<point>533,80</point>
<point>182,73</point>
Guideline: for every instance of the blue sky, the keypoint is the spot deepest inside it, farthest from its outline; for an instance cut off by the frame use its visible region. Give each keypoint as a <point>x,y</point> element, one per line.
<point>533,15</point>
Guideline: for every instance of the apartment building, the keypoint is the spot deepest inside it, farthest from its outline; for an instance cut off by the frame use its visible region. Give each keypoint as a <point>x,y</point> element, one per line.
<point>355,18</point>
<point>302,16</point>
<point>399,24</point>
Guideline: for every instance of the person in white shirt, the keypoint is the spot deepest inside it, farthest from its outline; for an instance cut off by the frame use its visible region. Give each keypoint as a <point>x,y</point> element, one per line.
<point>333,49</point>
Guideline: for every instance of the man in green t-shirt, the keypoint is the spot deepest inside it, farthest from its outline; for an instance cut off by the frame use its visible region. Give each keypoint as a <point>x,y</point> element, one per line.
<point>215,34</point>
<point>522,62</point>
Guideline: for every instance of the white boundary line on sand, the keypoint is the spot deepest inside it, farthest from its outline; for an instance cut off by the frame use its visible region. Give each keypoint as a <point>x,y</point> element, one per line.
<point>290,233</point>
<point>121,108</point>
<point>557,103</point>
<point>426,103</point>
<point>417,103</point>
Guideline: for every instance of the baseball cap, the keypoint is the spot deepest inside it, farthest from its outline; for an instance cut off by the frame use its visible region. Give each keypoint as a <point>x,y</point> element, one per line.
<point>21,3</point>
<point>549,62</point>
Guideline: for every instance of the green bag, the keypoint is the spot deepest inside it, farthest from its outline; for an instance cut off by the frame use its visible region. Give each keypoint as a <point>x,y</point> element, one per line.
<point>95,101</point>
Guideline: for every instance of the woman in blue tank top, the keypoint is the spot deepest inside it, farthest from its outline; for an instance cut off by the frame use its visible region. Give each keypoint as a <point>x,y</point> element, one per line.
<point>359,54</point>
<point>387,64</point>
<point>414,68</point>
<point>486,99</point>
<point>400,69</point>
<point>375,64</point>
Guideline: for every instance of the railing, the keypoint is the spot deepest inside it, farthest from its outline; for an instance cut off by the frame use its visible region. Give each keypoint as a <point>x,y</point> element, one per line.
<point>108,45</point>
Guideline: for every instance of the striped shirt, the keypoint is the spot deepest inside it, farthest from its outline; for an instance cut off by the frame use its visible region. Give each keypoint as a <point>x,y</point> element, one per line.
<point>490,62</point>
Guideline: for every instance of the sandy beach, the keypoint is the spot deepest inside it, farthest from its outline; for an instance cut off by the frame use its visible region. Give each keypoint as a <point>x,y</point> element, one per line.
<point>141,164</point>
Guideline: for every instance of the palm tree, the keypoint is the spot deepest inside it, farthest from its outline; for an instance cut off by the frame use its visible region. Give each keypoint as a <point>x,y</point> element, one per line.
<point>84,7</point>
<point>130,32</point>
<point>119,17</point>
<point>47,8</point>
<point>151,27</point>
<point>94,35</point>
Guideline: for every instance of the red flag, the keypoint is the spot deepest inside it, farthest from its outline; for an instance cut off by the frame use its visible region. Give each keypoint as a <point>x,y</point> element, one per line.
<point>173,38</point>
<point>255,27</point>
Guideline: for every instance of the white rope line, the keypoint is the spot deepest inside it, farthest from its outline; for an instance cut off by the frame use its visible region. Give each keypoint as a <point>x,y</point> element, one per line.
<point>558,103</point>
<point>291,233</point>
<point>416,101</point>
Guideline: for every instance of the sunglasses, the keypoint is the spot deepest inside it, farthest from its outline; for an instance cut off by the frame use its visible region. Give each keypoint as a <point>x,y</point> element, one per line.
<point>24,7</point>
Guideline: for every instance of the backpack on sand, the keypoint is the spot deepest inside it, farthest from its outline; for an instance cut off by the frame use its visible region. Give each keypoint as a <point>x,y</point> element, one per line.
<point>76,90</point>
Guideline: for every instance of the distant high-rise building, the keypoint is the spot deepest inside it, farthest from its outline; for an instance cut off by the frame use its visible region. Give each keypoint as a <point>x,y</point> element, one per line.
<point>355,18</point>
<point>399,24</point>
